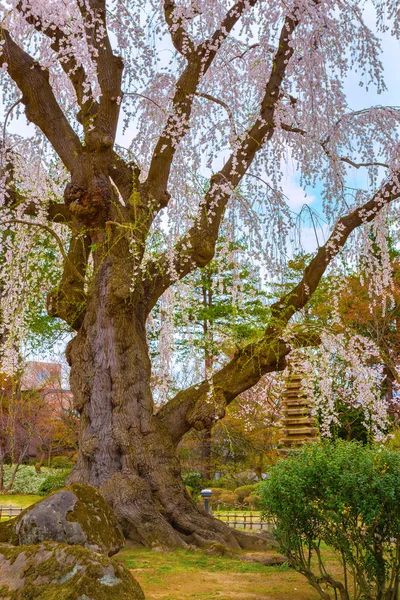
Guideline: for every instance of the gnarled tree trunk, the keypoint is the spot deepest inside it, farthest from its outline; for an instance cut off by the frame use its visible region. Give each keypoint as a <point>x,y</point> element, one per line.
<point>125,449</point>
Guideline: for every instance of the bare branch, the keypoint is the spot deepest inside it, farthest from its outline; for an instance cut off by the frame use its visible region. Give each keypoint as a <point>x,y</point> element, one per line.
<point>360,165</point>
<point>324,145</point>
<point>224,105</point>
<point>188,409</point>
<point>8,113</point>
<point>41,107</point>
<point>199,60</point>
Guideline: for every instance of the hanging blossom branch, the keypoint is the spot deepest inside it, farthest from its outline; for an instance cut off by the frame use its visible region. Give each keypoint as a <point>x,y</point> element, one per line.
<point>199,60</point>
<point>59,43</point>
<point>196,248</point>
<point>53,234</point>
<point>190,408</point>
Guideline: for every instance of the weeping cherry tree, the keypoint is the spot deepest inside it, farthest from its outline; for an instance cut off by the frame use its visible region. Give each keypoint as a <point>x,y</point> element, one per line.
<point>133,132</point>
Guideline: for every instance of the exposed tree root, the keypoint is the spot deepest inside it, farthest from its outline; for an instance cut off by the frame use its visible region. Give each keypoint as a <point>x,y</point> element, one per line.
<point>179,523</point>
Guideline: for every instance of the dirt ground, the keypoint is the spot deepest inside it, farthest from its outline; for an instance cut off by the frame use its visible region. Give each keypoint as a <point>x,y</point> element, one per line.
<point>229,586</point>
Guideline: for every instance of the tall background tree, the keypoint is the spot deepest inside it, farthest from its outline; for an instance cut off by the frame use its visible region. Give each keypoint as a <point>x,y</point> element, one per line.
<point>210,98</point>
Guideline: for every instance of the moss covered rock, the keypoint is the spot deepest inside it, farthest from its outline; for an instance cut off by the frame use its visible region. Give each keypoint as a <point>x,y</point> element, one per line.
<point>75,515</point>
<point>51,571</point>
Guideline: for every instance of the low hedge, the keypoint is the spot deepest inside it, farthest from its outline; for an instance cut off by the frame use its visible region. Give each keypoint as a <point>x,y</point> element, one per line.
<point>53,483</point>
<point>27,480</point>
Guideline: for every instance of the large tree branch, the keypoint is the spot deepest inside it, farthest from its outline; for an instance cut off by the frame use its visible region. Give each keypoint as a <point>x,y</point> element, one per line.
<point>199,60</point>
<point>202,404</point>
<point>109,72</point>
<point>180,37</point>
<point>41,105</point>
<point>196,248</point>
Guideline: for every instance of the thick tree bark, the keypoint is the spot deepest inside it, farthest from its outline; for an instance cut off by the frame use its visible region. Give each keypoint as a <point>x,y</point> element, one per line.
<point>125,450</point>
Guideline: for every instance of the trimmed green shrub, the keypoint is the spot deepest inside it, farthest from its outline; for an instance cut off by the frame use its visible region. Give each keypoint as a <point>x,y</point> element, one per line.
<point>216,492</point>
<point>62,462</point>
<point>226,500</point>
<point>53,483</point>
<point>347,496</point>
<point>194,481</point>
<point>244,491</point>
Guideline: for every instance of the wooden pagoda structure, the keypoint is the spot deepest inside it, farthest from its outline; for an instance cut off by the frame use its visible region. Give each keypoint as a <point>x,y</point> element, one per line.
<point>298,423</point>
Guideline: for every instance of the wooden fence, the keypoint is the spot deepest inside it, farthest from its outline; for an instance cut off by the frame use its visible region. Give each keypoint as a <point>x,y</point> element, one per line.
<point>8,512</point>
<point>244,520</point>
<point>239,520</point>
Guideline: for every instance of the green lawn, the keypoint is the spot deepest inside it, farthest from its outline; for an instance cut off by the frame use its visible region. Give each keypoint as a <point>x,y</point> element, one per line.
<point>183,575</point>
<point>23,500</point>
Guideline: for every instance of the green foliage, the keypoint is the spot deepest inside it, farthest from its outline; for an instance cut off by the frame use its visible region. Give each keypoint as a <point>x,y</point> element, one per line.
<point>194,481</point>
<point>53,483</point>
<point>27,480</point>
<point>211,304</point>
<point>348,497</point>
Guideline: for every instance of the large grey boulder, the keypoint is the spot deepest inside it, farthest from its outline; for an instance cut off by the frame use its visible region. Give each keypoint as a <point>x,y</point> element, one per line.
<point>76,515</point>
<point>51,571</point>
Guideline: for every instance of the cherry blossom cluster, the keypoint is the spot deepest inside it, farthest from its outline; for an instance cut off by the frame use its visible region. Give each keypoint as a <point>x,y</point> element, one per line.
<point>345,372</point>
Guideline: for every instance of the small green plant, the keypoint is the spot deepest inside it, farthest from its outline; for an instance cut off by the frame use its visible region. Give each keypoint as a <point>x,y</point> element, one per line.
<point>346,496</point>
<point>53,483</point>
